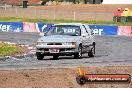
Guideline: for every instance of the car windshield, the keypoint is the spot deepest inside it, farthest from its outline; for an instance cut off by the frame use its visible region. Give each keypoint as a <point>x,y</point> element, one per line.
<point>64,30</point>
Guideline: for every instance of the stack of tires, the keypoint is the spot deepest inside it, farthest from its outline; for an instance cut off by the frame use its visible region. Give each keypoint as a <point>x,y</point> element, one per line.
<point>123,15</point>
<point>117,15</point>
<point>126,16</point>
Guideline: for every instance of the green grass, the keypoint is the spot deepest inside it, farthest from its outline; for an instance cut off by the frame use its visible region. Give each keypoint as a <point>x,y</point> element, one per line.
<point>13,19</point>
<point>6,49</point>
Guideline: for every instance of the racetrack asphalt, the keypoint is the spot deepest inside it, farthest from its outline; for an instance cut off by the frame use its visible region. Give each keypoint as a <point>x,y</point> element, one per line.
<point>110,51</point>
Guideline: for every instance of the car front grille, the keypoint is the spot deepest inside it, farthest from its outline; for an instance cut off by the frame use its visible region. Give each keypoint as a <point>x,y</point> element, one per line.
<point>54,44</point>
<point>61,50</point>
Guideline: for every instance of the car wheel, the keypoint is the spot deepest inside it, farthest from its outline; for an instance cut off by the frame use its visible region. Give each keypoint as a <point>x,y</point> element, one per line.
<point>55,57</point>
<point>81,80</point>
<point>79,54</point>
<point>91,52</point>
<point>39,56</point>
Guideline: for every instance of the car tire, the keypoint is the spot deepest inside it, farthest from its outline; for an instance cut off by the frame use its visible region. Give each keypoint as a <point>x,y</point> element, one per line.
<point>81,80</point>
<point>40,56</point>
<point>91,52</point>
<point>78,55</point>
<point>55,57</point>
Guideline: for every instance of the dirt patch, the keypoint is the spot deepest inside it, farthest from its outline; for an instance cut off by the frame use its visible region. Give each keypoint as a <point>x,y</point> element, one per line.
<point>7,45</point>
<point>57,78</point>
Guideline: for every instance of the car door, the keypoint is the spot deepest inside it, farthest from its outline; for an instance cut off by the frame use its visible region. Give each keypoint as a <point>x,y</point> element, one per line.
<point>91,34</point>
<point>85,38</point>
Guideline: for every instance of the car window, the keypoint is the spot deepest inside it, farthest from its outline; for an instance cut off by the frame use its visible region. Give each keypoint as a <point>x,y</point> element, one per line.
<point>64,30</point>
<point>83,30</point>
<point>90,31</point>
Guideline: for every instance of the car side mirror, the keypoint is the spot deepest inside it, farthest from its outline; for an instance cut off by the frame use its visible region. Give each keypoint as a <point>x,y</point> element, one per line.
<point>41,34</point>
<point>92,33</point>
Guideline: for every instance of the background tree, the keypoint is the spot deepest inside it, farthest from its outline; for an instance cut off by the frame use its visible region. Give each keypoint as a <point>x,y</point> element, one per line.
<point>44,2</point>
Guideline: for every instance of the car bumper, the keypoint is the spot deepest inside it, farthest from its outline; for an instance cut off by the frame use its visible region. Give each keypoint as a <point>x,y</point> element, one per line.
<point>55,46</point>
<point>47,53</point>
<point>63,49</point>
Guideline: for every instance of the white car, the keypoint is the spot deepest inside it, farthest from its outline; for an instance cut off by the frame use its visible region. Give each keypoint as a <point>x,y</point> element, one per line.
<point>66,39</point>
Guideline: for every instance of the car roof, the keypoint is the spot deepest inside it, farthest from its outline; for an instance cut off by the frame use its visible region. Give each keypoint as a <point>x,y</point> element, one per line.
<point>77,24</point>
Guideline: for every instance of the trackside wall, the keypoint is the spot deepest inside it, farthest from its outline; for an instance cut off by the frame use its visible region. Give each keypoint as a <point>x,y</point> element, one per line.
<point>43,27</point>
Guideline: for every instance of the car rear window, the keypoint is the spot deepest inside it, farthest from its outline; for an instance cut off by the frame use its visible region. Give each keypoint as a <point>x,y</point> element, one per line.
<point>64,30</point>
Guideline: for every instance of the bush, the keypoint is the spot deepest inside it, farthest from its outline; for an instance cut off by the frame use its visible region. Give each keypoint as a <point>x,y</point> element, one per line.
<point>44,2</point>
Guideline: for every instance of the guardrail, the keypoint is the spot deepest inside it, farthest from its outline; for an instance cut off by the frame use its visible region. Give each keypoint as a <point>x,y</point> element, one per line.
<point>43,27</point>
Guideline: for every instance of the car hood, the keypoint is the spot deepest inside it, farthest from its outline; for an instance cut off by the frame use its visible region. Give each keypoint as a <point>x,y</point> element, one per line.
<point>59,38</point>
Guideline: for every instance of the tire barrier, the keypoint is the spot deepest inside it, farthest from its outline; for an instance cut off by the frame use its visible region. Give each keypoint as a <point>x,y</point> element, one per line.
<point>83,78</point>
<point>118,12</point>
<point>122,15</point>
<point>123,19</point>
<point>129,18</point>
<point>117,18</point>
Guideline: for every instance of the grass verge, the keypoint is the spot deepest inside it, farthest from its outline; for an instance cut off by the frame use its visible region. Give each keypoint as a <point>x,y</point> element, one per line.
<point>9,50</point>
<point>14,19</point>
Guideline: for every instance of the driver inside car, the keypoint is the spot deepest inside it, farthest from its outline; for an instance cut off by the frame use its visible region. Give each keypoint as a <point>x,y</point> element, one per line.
<point>77,32</point>
<point>60,31</point>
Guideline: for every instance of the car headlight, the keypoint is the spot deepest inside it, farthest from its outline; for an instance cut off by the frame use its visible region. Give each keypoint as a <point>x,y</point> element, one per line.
<point>41,43</point>
<point>74,43</point>
<point>66,43</point>
<point>69,43</point>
